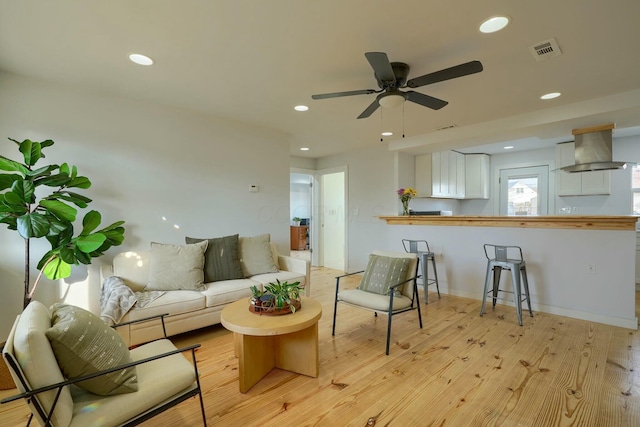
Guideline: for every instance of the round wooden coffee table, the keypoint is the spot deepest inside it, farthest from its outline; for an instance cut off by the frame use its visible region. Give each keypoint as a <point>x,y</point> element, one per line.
<point>262,342</point>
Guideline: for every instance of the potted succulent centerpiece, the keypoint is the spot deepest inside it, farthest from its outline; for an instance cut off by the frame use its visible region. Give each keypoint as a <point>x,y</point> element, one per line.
<point>277,298</point>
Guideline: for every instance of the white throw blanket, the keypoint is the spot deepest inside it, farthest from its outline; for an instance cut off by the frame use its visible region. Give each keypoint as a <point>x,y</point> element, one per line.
<point>116,299</point>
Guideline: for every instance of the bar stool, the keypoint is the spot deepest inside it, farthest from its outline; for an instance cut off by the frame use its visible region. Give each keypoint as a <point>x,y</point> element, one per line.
<point>498,260</point>
<point>421,248</point>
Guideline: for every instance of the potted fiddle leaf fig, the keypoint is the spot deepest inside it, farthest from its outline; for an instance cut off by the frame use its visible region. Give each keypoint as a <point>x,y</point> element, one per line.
<point>43,202</point>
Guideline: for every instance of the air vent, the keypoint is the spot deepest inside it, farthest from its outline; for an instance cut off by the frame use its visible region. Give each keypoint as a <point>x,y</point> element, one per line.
<point>446,127</point>
<point>545,50</point>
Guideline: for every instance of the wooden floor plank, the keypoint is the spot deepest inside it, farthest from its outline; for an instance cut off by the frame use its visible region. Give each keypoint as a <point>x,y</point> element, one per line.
<point>459,370</point>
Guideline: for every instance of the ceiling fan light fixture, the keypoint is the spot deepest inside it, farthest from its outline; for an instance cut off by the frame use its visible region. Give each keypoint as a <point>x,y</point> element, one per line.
<point>387,133</point>
<point>493,24</point>
<point>391,100</point>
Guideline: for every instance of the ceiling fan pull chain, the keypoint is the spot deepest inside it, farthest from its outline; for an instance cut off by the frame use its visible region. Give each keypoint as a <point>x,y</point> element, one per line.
<point>381,137</point>
<point>403,120</point>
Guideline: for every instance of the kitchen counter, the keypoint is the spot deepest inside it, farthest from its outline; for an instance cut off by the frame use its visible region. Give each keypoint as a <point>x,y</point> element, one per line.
<point>590,222</point>
<point>578,266</point>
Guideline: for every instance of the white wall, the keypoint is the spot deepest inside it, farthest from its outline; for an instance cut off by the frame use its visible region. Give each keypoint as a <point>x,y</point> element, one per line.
<point>145,161</point>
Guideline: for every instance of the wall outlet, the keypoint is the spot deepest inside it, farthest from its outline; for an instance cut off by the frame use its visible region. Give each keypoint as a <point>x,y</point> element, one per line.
<point>591,268</point>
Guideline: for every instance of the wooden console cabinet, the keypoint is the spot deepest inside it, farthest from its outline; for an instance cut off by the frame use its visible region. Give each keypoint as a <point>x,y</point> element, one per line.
<point>298,237</point>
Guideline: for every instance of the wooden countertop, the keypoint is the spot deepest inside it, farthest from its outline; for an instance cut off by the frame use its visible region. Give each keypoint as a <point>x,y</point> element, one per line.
<point>585,222</point>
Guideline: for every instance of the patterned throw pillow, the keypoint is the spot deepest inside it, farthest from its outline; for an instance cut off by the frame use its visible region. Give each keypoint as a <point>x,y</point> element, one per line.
<point>221,259</point>
<point>382,272</point>
<point>83,344</point>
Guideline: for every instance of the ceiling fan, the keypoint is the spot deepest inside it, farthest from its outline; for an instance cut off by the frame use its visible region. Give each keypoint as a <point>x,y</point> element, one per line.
<point>392,76</point>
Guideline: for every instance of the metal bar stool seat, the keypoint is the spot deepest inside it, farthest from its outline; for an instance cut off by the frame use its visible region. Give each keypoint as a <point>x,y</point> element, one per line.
<point>498,260</point>
<point>421,248</point>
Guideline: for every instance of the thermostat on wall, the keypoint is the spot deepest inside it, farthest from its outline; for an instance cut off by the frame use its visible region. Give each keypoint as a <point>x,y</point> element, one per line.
<point>254,188</point>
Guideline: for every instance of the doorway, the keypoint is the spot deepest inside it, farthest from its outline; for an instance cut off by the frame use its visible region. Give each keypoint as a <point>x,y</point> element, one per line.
<point>524,191</point>
<point>332,213</point>
<point>301,208</point>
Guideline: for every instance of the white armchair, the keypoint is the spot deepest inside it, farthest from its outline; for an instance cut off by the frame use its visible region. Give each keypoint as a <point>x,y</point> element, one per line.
<point>164,379</point>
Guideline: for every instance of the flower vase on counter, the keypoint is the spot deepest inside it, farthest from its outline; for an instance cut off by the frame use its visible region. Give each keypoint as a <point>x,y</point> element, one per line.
<point>406,194</point>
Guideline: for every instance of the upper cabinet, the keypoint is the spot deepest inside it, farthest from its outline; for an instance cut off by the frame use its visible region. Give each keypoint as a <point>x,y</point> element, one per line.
<point>476,176</point>
<point>578,183</point>
<point>446,174</point>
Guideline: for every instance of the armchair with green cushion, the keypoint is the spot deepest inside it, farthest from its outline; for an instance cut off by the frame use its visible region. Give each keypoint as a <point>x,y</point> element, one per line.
<point>388,286</point>
<point>74,370</point>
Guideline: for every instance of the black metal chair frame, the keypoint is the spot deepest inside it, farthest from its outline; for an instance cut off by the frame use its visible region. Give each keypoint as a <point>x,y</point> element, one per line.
<point>390,312</point>
<point>150,413</point>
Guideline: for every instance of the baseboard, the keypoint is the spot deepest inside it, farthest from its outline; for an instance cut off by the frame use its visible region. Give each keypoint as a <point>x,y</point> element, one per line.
<point>629,323</point>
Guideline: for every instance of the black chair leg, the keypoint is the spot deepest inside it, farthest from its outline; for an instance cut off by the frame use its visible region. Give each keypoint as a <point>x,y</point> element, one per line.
<point>335,308</point>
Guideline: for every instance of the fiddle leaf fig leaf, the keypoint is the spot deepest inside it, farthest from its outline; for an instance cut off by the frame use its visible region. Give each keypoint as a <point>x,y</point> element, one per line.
<point>57,180</point>
<point>90,243</point>
<point>79,182</point>
<point>57,269</point>
<point>12,166</point>
<point>90,222</point>
<point>30,151</point>
<point>64,168</point>
<point>24,190</point>
<point>68,255</point>
<point>60,210</point>
<point>43,171</point>
<point>33,225</point>
<point>6,181</point>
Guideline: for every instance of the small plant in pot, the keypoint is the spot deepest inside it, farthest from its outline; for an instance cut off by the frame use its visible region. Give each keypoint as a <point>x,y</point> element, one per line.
<point>277,298</point>
<point>296,220</point>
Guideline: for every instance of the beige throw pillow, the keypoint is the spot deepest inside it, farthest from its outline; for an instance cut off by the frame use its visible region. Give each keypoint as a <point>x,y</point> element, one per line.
<point>84,344</point>
<point>256,255</point>
<point>175,267</point>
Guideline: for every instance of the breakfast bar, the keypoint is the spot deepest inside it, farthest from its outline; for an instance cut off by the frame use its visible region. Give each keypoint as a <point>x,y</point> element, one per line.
<point>578,266</point>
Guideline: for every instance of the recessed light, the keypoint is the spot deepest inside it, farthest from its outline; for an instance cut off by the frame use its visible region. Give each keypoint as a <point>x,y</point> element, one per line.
<point>301,108</point>
<point>387,133</point>
<point>494,24</point>
<point>550,95</point>
<point>140,59</point>
<point>508,147</point>
<point>304,149</point>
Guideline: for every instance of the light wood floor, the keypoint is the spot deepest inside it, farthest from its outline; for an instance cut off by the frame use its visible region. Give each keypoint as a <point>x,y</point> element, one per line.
<point>460,370</point>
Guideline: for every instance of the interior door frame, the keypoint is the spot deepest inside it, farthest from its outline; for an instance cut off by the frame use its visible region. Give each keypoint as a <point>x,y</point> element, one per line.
<point>544,189</point>
<point>318,255</point>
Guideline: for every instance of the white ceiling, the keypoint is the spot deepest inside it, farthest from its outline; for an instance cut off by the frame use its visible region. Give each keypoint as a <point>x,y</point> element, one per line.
<point>254,60</point>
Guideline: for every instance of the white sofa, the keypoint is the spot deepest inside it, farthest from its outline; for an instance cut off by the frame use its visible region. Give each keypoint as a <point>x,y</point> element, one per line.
<point>188,309</point>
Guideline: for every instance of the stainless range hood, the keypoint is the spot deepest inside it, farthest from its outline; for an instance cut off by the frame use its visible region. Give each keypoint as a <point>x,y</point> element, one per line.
<point>593,150</point>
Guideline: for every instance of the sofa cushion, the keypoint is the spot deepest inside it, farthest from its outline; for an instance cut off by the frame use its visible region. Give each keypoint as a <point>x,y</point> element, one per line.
<point>174,267</point>
<point>256,255</point>
<point>228,291</point>
<point>84,344</point>
<point>38,363</point>
<point>154,386</point>
<point>172,302</point>
<point>221,259</point>
<point>383,271</point>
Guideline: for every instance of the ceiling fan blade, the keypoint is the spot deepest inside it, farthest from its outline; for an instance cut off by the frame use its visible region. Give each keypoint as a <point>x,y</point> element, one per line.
<point>369,110</point>
<point>425,100</point>
<point>338,94</point>
<point>461,70</point>
<point>381,66</point>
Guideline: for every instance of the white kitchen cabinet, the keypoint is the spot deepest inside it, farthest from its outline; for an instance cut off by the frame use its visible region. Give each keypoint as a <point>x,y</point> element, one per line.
<point>423,175</point>
<point>578,183</point>
<point>476,176</point>
<point>447,174</point>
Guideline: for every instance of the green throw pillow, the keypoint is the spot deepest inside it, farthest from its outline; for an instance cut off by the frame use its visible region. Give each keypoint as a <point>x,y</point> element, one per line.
<point>221,259</point>
<point>382,272</point>
<point>83,344</point>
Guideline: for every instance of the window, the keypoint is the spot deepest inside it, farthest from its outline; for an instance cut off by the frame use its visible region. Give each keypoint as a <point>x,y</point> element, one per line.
<point>523,191</point>
<point>635,188</point>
